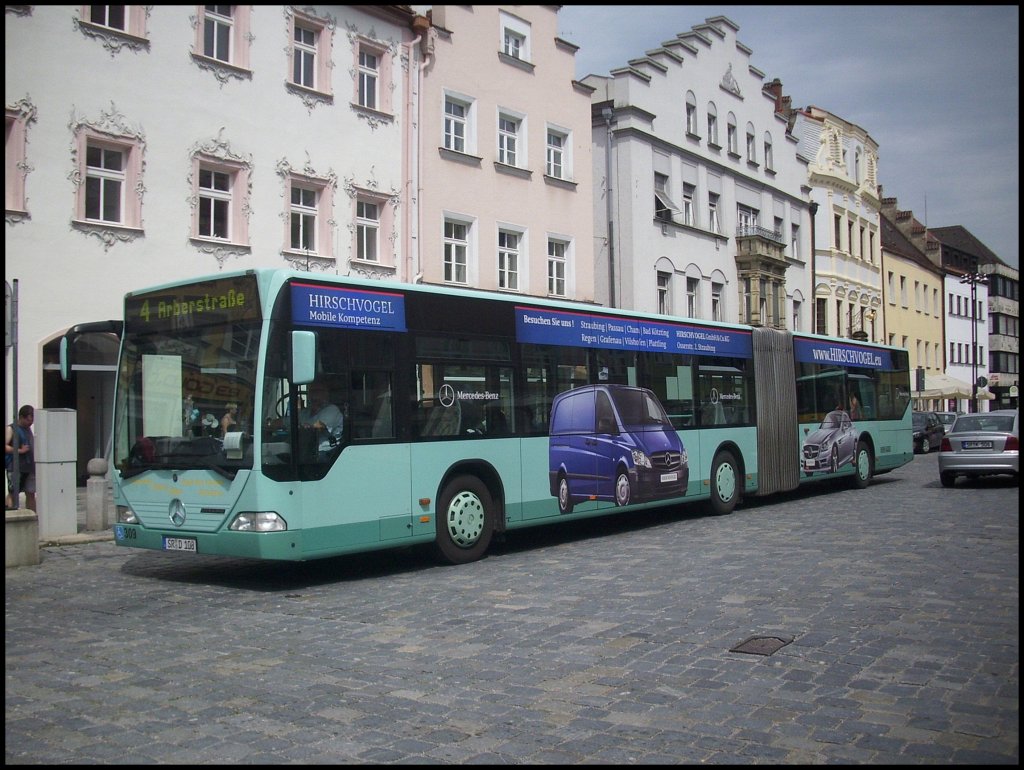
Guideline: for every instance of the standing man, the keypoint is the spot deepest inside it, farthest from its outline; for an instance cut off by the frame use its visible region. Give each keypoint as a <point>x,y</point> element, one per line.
<point>26,457</point>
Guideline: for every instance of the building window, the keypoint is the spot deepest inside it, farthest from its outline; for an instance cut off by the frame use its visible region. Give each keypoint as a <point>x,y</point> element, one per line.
<point>856,166</point>
<point>104,184</point>
<point>663,206</point>
<point>307,215</point>
<point>732,135</point>
<point>794,241</point>
<point>508,139</point>
<point>304,57</point>
<point>797,307</point>
<point>113,16</point>
<point>514,37</point>
<point>892,289</point>
<point>717,310</point>
<point>692,285</point>
<point>691,114</point>
<point>664,293</point>
<point>514,44</point>
<point>367,230</point>
<point>751,146</point>
<point>220,194</point>
<point>821,315</point>
<point>769,160</point>
<point>455,120</point>
<point>557,259</point>
<point>303,219</point>
<point>688,216</point>
<point>838,220</point>
<point>214,203</point>
<point>556,162</point>
<point>508,260</point>
<point>903,291</point>
<point>712,125</point>
<point>223,34</point>
<point>747,219</point>
<point>111,178</point>
<point>456,252</point>
<point>217,28</point>
<point>368,79</point>
<point>713,224</point>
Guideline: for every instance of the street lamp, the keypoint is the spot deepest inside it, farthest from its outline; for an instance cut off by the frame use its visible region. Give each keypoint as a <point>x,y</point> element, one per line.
<point>974,278</point>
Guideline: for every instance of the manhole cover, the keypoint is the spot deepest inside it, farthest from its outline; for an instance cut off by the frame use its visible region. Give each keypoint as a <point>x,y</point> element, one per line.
<point>761,645</point>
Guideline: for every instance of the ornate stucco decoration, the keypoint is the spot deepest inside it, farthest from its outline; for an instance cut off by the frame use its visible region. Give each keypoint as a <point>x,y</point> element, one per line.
<point>114,40</point>
<point>729,82</point>
<point>221,70</point>
<point>219,149</point>
<point>26,112</point>
<point>310,97</point>
<point>328,180</point>
<point>115,125</point>
<point>372,186</point>
<point>387,48</point>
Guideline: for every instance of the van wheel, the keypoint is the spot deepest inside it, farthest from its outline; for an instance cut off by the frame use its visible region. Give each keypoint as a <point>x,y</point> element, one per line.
<point>564,498</point>
<point>623,491</point>
<point>725,483</point>
<point>863,466</point>
<point>465,520</point>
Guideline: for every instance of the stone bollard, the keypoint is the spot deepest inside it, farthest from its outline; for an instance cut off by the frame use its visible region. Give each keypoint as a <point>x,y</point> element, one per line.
<point>96,514</point>
<point>21,538</point>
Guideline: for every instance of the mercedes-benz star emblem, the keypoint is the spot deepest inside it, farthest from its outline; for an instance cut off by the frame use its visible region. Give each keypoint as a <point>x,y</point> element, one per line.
<point>446,395</point>
<point>176,512</point>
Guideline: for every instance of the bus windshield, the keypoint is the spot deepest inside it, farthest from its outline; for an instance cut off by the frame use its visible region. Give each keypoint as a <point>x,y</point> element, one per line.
<point>187,379</point>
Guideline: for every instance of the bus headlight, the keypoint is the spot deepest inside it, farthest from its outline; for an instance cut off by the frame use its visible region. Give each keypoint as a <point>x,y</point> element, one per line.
<point>126,515</point>
<point>258,521</point>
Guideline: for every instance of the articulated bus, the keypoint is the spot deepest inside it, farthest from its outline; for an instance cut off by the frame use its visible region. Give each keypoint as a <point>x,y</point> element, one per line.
<point>465,414</point>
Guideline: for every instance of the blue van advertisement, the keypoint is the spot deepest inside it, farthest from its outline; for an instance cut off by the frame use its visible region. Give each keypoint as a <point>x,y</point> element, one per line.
<point>613,442</point>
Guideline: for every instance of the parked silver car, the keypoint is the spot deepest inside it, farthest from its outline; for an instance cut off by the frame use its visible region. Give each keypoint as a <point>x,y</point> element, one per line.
<point>981,444</point>
<point>947,419</point>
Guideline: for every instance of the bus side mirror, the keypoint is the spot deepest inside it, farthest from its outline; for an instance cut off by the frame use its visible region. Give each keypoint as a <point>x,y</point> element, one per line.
<point>65,360</point>
<point>303,357</point>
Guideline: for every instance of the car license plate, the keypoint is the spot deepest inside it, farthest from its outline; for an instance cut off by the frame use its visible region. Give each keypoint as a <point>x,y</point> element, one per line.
<point>977,445</point>
<point>667,477</point>
<point>180,544</point>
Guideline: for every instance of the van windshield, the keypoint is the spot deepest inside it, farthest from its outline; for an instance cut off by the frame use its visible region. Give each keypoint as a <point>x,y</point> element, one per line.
<point>638,407</point>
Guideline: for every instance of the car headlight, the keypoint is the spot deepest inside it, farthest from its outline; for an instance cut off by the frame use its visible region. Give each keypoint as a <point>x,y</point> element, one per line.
<point>640,459</point>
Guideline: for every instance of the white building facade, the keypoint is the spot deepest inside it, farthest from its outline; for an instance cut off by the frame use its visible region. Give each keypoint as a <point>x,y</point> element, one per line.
<point>843,175</point>
<point>701,201</point>
<point>157,143</point>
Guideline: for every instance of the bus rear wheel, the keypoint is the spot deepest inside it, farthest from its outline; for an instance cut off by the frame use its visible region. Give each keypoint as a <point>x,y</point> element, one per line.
<point>725,483</point>
<point>465,520</point>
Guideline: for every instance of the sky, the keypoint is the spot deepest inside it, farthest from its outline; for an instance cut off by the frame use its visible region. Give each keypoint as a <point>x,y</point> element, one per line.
<point>935,86</point>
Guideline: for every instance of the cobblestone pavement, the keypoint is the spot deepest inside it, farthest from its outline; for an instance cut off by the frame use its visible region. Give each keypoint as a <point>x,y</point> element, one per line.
<point>606,641</point>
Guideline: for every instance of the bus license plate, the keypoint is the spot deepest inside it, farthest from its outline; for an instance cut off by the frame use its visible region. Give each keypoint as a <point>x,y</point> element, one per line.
<point>667,477</point>
<point>180,544</point>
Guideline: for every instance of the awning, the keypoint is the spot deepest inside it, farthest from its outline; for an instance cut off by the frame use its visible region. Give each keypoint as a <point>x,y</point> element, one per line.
<point>944,386</point>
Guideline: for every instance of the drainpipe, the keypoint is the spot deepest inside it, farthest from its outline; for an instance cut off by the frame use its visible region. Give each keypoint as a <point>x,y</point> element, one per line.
<point>421,26</point>
<point>814,279</point>
<point>606,113</point>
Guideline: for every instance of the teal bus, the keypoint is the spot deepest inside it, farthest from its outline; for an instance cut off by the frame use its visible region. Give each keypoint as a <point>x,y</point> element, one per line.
<point>447,433</point>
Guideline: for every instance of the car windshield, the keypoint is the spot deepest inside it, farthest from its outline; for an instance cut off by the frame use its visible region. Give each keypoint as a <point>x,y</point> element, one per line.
<point>947,418</point>
<point>993,423</point>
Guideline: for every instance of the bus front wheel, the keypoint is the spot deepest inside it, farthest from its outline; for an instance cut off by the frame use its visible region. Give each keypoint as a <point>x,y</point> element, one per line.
<point>863,466</point>
<point>725,483</point>
<point>465,520</point>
